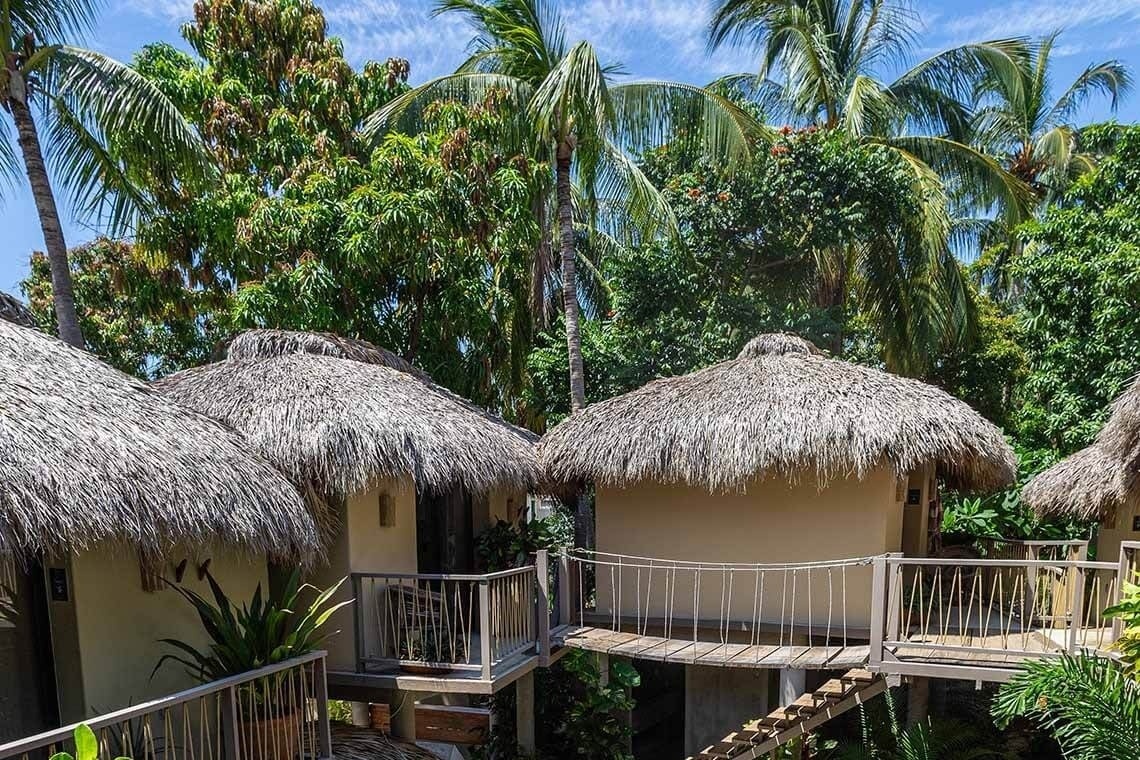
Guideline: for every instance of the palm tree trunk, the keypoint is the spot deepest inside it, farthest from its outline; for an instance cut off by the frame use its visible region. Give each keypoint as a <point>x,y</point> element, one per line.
<point>583,518</point>
<point>570,277</point>
<point>63,294</point>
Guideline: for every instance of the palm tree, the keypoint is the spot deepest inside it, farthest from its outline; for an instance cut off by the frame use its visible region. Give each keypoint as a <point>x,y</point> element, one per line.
<point>105,127</point>
<point>1018,119</point>
<point>574,116</point>
<point>1088,703</point>
<point>820,64</point>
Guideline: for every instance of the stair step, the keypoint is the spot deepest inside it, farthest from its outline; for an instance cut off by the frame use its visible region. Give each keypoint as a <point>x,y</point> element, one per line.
<point>858,676</point>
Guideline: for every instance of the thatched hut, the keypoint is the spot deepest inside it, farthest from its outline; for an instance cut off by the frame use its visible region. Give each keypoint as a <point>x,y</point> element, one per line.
<point>412,471</point>
<point>779,455</point>
<point>1101,481</point>
<point>106,488</point>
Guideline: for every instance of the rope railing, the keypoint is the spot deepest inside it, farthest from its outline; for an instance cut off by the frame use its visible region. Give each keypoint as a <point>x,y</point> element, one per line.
<point>787,604</point>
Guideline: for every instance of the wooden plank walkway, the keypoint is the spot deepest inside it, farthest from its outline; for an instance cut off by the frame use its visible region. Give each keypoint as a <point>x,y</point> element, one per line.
<point>711,652</point>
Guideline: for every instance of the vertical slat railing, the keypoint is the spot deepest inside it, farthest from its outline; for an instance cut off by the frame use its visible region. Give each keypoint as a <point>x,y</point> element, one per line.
<point>279,712</point>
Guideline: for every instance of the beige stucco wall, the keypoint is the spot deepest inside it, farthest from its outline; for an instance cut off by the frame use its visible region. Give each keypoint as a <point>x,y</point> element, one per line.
<point>772,521</point>
<point>118,624</point>
<point>1118,529</point>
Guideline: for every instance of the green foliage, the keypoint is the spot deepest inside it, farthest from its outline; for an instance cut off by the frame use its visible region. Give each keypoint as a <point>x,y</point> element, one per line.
<point>1081,304</point>
<point>86,746</point>
<point>1128,611</point>
<point>505,545</point>
<point>884,737</point>
<point>137,317</point>
<point>592,726</point>
<point>259,633</point>
<point>1088,703</point>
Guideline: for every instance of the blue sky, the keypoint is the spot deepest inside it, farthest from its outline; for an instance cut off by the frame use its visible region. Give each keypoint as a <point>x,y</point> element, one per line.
<point>652,38</point>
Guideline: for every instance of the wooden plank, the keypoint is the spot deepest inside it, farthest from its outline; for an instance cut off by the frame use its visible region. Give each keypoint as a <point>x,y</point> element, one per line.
<point>639,645</point>
<point>723,654</point>
<point>693,652</point>
<point>672,648</point>
<point>850,657</point>
<point>453,725</point>
<point>815,658</point>
<point>754,656</point>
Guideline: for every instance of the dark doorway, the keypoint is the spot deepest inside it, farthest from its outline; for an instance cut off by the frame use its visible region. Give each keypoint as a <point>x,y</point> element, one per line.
<point>27,675</point>
<point>444,531</point>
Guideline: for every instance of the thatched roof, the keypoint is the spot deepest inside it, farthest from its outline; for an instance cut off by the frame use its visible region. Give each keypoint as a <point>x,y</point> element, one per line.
<point>353,743</point>
<point>89,454</point>
<point>337,417</point>
<point>1098,479</point>
<point>13,310</point>
<point>782,409</point>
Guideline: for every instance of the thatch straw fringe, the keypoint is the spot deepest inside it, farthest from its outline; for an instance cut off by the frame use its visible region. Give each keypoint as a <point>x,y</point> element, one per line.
<point>1099,479</point>
<point>265,344</point>
<point>352,743</point>
<point>337,425</point>
<point>14,311</point>
<point>88,454</point>
<point>779,409</point>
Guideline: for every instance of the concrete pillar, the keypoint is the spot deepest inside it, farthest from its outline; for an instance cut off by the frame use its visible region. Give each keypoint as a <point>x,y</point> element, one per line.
<point>604,669</point>
<point>402,705</point>
<point>718,700</point>
<point>917,701</point>
<point>524,713</point>
<point>360,715</point>
<point>792,685</point>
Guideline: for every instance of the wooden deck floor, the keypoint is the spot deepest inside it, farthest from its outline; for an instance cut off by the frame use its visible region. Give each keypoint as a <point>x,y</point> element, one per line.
<point>713,653</point>
<point>999,656</point>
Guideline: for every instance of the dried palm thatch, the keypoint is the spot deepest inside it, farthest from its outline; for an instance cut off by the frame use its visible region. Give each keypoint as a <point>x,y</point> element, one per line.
<point>14,311</point>
<point>1100,478</point>
<point>352,743</point>
<point>263,344</point>
<point>778,409</point>
<point>338,425</point>
<point>89,454</point>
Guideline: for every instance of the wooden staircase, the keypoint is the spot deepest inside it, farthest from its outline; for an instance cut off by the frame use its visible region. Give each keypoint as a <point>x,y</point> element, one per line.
<point>759,737</point>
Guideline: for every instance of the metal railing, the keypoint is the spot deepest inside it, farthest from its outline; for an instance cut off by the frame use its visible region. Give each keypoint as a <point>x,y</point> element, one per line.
<point>279,712</point>
<point>786,604</point>
<point>443,622</point>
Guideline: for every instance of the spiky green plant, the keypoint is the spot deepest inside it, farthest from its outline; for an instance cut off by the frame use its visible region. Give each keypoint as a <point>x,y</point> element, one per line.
<point>1128,611</point>
<point>86,746</point>
<point>259,633</point>
<point>1088,703</point>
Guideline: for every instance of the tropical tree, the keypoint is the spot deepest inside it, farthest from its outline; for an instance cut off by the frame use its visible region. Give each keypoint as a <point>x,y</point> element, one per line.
<point>104,127</point>
<point>821,63</point>
<point>1018,119</point>
<point>1088,703</point>
<point>573,116</point>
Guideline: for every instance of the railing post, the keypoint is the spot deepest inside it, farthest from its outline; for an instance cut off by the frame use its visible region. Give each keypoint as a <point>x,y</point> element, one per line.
<point>894,596</point>
<point>542,606</point>
<point>324,733</point>
<point>1078,608</point>
<point>565,605</point>
<point>230,723</point>
<point>1122,567</point>
<point>878,608</point>
<point>358,621</point>
<point>485,627</point>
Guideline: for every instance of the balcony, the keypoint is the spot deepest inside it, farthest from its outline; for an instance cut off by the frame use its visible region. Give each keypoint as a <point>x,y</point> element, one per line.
<point>463,633</point>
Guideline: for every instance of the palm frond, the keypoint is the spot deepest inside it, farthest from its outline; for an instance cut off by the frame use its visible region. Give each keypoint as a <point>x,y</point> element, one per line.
<point>10,166</point>
<point>406,112</point>
<point>1088,703</point>
<point>637,209</point>
<point>50,22</point>
<point>1111,79</point>
<point>113,131</point>
<point>649,114</point>
<point>574,98</point>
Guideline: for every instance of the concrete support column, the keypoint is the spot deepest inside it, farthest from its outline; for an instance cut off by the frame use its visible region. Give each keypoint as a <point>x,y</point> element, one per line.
<point>402,705</point>
<point>604,669</point>
<point>524,713</point>
<point>360,715</point>
<point>917,701</point>
<point>793,681</point>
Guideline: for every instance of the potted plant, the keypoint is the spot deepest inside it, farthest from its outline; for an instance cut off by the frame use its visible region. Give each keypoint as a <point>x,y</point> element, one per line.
<point>268,629</point>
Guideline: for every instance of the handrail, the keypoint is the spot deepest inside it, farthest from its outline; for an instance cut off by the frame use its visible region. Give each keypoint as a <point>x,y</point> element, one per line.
<point>118,717</point>
<point>582,555</point>
<point>472,577</point>
<point>1027,563</point>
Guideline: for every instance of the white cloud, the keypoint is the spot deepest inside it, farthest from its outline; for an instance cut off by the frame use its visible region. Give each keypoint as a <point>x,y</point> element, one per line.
<point>1036,18</point>
<point>172,11</point>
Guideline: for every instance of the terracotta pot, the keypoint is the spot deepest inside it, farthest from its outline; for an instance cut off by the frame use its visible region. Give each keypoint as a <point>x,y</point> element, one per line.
<point>277,738</point>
